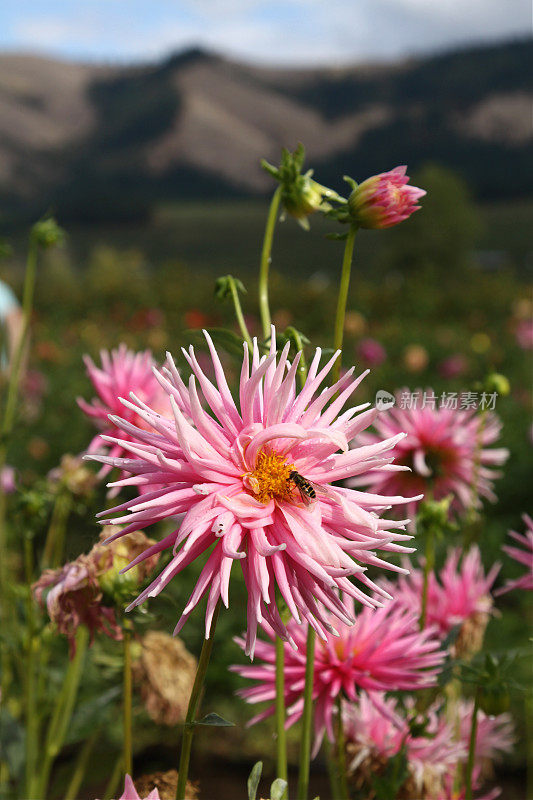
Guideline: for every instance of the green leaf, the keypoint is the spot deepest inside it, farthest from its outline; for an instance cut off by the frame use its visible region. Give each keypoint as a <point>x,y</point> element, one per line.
<point>278,788</point>
<point>253,780</point>
<point>227,340</point>
<point>337,237</point>
<point>223,286</point>
<point>215,720</point>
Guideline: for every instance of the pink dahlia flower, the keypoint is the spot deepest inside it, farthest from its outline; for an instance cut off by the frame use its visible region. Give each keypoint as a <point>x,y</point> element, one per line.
<point>449,793</point>
<point>447,451</point>
<point>383,650</point>
<point>524,556</point>
<point>384,200</point>
<point>458,595</point>
<point>237,478</point>
<point>373,737</point>
<point>371,352</point>
<point>122,372</point>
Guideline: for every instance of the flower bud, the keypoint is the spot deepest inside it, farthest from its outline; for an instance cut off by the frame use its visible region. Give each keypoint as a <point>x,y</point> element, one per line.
<point>497,383</point>
<point>384,200</point>
<point>47,233</point>
<point>116,556</point>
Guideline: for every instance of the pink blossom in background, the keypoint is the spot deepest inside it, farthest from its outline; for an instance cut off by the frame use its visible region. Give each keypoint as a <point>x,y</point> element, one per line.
<point>371,352</point>
<point>373,737</point>
<point>442,451</point>
<point>8,479</point>
<point>384,650</point>
<point>384,200</point>
<point>523,556</point>
<point>524,333</point>
<point>453,367</point>
<point>229,474</point>
<point>123,371</point>
<point>495,734</point>
<point>458,595</point>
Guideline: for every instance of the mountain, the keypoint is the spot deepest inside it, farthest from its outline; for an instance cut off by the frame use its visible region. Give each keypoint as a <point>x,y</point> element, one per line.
<point>106,141</point>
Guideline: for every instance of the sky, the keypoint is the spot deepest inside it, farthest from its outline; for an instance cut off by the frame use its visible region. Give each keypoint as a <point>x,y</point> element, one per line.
<point>291,32</point>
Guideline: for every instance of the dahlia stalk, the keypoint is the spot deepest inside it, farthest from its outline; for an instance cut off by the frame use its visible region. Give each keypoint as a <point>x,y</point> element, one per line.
<point>232,477</point>
<point>264,268</point>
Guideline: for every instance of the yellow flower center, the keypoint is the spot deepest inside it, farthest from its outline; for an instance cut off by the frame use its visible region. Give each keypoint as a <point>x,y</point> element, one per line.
<point>270,479</point>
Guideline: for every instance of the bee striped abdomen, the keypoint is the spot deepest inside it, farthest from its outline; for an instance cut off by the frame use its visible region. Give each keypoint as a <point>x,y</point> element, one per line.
<point>305,487</point>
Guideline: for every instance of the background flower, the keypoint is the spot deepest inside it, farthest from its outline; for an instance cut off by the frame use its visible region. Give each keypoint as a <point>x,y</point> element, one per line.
<point>383,650</point>
<point>524,556</point>
<point>447,451</point>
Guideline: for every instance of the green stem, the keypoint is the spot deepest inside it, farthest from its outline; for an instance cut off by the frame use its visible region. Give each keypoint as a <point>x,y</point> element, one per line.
<point>57,729</point>
<point>127,758</point>
<point>341,753</point>
<point>333,774</point>
<point>240,316</point>
<point>429,563</point>
<point>307,717</point>
<point>55,538</point>
<point>31,710</point>
<point>194,702</point>
<point>264,308</point>
<point>293,334</point>
<point>342,299</point>
<point>471,750</point>
<point>281,738</point>
<point>469,530</point>
<point>80,766</point>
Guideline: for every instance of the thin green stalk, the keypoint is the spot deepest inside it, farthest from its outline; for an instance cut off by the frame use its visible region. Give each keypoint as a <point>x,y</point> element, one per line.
<point>80,766</point>
<point>341,753</point>
<point>127,694</point>
<point>57,729</point>
<point>302,364</point>
<point>333,773</point>
<point>469,530</point>
<point>194,702</point>
<point>31,709</point>
<point>429,563</point>
<point>307,718</point>
<point>342,299</point>
<point>471,750</point>
<point>55,537</point>
<point>264,307</point>
<point>240,316</point>
<point>281,738</point>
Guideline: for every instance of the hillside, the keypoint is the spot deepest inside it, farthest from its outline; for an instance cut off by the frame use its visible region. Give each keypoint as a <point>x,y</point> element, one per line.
<point>96,141</point>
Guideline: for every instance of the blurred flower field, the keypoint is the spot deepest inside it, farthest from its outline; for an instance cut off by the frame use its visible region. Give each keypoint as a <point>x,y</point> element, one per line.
<point>425,317</point>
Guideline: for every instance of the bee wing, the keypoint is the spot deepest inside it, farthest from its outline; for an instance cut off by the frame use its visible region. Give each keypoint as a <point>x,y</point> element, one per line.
<point>325,491</point>
<point>304,497</point>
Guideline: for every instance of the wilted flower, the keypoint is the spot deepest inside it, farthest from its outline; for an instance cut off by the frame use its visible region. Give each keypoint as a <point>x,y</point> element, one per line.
<point>165,673</point>
<point>73,594</point>
<point>122,372</point>
<point>446,449</point>
<point>384,200</point>
<point>384,650</point>
<point>523,556</point>
<point>74,475</point>
<point>376,732</point>
<point>234,476</point>
<point>371,352</point>
<point>458,595</point>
